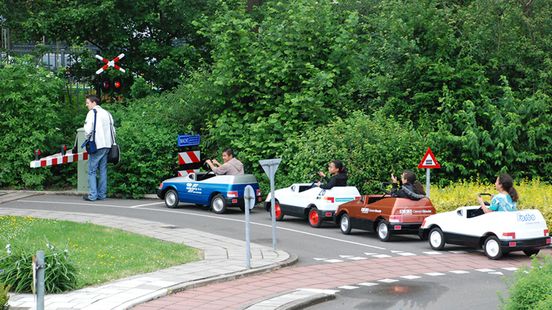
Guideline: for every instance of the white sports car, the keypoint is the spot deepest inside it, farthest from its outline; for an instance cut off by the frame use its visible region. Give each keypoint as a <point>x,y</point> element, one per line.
<point>313,203</point>
<point>498,233</point>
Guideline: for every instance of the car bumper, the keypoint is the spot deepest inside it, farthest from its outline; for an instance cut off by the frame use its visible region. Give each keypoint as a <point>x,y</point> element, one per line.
<point>404,228</point>
<point>326,215</point>
<point>240,201</point>
<point>522,244</point>
<point>160,193</point>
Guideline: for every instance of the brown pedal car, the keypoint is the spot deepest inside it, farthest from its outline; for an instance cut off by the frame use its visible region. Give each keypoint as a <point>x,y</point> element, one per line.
<point>383,214</point>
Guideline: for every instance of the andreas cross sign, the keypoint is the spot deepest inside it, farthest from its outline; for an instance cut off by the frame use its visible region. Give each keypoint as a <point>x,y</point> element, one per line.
<point>428,162</point>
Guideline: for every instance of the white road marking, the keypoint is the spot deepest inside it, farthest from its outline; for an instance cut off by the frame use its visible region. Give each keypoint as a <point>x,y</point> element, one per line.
<point>357,258</point>
<point>346,256</point>
<point>367,284</point>
<point>388,280</point>
<point>381,255</point>
<point>348,287</point>
<point>410,277</point>
<point>510,268</point>
<point>147,205</point>
<point>434,274</point>
<point>459,271</point>
<point>458,252</point>
<point>366,253</point>
<point>333,261</point>
<point>317,258</point>
<point>406,254</point>
<point>392,251</point>
<point>497,272</point>
<point>433,253</point>
<point>210,216</point>
<point>317,290</point>
<point>485,270</point>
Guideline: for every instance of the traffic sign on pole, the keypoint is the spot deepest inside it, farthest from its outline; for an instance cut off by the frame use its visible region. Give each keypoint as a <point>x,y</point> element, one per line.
<point>428,162</point>
<point>270,166</point>
<point>110,63</point>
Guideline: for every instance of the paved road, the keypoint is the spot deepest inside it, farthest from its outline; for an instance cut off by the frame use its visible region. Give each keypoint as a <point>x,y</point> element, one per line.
<point>322,247</point>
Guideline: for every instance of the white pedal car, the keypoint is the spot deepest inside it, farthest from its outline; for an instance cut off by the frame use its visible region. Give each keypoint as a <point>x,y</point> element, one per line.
<point>498,233</point>
<point>313,203</point>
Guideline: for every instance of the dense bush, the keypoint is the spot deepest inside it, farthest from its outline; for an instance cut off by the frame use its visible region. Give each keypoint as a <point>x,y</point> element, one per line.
<point>60,272</point>
<point>30,106</point>
<point>371,147</point>
<point>531,288</point>
<point>4,296</point>
<point>146,133</point>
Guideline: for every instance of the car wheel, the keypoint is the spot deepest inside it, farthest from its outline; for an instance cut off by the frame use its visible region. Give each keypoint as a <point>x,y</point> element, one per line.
<point>345,224</point>
<point>314,218</point>
<point>218,204</point>
<point>171,198</point>
<point>492,248</point>
<point>383,231</point>
<point>531,252</point>
<point>436,238</point>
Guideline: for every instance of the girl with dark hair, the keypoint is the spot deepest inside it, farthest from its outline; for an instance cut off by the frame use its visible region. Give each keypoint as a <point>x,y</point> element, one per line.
<point>507,197</point>
<point>338,172</point>
<point>411,188</point>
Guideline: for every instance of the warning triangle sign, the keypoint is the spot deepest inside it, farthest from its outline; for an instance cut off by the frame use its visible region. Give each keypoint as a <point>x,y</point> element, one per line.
<point>429,161</point>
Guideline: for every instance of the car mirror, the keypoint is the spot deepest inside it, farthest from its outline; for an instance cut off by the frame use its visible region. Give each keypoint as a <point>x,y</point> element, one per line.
<point>459,212</point>
<point>294,188</point>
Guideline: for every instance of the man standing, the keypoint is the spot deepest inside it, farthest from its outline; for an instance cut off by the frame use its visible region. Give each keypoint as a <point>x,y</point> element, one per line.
<point>99,124</point>
<point>231,165</point>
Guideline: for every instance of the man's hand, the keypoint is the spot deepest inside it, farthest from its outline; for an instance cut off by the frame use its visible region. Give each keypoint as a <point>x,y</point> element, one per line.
<point>216,162</point>
<point>393,179</point>
<point>322,174</point>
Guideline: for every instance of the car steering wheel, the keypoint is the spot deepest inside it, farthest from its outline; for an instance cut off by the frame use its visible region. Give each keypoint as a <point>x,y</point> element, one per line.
<point>486,194</point>
<point>208,168</point>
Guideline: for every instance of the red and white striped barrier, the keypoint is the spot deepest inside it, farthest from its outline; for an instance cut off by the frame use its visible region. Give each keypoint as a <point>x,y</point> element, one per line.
<point>58,159</point>
<point>183,173</point>
<point>189,157</point>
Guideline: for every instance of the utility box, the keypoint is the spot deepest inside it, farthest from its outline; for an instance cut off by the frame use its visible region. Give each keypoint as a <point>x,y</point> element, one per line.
<point>82,166</point>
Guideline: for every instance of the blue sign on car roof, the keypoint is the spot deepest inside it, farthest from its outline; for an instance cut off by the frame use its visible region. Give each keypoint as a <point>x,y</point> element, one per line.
<point>187,140</point>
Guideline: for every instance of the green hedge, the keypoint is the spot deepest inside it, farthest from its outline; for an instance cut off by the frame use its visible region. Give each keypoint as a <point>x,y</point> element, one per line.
<point>370,146</point>
<point>4,296</point>
<point>531,288</point>
<point>31,118</point>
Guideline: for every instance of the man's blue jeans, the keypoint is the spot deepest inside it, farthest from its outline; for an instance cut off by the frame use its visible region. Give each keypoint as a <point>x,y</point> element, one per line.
<point>97,161</point>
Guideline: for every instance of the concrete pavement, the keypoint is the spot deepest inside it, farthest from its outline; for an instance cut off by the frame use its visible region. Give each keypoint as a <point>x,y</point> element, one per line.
<point>223,260</point>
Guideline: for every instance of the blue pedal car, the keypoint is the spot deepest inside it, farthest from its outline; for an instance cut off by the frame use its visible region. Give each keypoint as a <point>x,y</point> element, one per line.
<point>207,189</point>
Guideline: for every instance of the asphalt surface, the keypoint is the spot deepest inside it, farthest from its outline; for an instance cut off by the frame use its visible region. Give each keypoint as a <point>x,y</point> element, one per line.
<point>457,292</point>
<point>322,246</point>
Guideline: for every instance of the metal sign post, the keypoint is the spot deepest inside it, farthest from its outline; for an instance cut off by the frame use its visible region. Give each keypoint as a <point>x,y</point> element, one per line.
<point>39,280</point>
<point>428,162</point>
<point>249,201</point>
<point>270,166</point>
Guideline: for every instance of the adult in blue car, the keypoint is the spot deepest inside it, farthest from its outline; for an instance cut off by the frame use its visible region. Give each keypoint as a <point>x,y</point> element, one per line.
<point>507,197</point>
<point>231,166</point>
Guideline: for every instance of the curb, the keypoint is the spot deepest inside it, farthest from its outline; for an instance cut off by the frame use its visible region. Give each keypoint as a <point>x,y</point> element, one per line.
<point>207,281</point>
<point>307,302</point>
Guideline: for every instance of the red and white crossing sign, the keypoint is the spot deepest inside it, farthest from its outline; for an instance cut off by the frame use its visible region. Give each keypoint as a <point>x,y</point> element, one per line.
<point>189,157</point>
<point>429,161</point>
<point>59,159</point>
<point>110,63</point>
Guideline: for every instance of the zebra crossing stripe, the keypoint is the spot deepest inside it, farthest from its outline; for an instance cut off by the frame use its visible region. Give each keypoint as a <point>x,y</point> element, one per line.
<point>459,271</point>
<point>334,261</point>
<point>388,280</point>
<point>367,284</point>
<point>433,253</point>
<point>348,287</point>
<point>406,254</point>
<point>381,255</point>
<point>485,270</point>
<point>435,274</point>
<point>497,273</point>
<point>510,268</point>
<point>410,277</point>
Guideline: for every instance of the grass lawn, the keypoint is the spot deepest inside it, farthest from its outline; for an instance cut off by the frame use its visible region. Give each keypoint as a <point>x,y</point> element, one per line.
<point>100,253</point>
